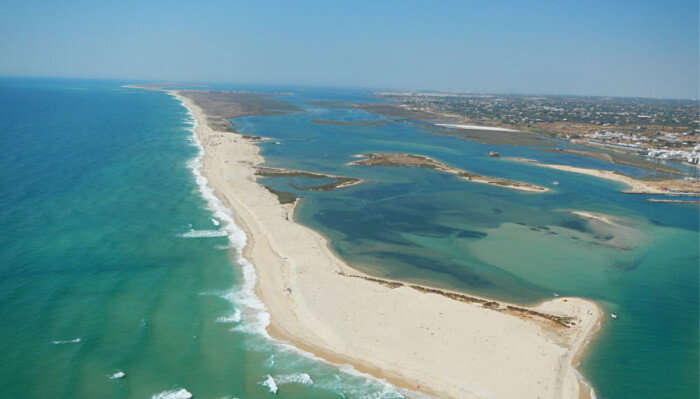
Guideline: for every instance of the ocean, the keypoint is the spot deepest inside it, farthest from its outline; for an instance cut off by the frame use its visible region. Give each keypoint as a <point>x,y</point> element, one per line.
<point>116,258</point>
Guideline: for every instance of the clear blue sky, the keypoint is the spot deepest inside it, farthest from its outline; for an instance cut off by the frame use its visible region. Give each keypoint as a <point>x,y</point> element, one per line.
<point>613,47</point>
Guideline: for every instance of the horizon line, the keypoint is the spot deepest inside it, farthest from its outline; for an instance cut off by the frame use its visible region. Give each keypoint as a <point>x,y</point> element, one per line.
<point>340,86</point>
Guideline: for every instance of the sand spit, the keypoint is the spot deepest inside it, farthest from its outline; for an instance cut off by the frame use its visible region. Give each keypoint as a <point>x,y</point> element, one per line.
<point>475,127</point>
<point>635,186</point>
<point>672,201</point>
<point>416,337</point>
<point>422,161</point>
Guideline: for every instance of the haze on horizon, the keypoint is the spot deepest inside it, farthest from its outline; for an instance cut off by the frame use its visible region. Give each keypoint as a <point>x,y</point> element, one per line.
<point>641,49</point>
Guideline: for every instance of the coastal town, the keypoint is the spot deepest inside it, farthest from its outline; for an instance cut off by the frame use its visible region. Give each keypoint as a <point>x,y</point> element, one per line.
<point>654,128</point>
<point>668,146</point>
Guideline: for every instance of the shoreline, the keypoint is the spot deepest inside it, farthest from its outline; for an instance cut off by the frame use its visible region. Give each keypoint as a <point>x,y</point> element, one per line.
<point>635,186</point>
<point>345,320</point>
<point>477,127</point>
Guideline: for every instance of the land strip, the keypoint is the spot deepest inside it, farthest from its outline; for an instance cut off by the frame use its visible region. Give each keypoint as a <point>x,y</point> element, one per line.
<point>422,161</point>
<point>635,186</point>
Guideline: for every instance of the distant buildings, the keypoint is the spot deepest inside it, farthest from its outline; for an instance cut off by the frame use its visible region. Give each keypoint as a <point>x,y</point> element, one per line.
<point>668,146</point>
<point>659,129</point>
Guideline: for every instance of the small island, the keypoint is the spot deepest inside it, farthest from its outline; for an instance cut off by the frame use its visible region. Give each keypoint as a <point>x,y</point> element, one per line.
<point>338,181</point>
<point>422,161</point>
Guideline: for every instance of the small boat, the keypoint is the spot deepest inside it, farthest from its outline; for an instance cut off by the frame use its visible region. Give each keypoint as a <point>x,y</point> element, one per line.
<point>494,154</point>
<point>556,183</point>
<point>613,315</point>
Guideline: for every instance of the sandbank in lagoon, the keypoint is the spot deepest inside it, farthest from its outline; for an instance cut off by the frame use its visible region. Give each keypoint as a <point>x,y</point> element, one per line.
<point>635,186</point>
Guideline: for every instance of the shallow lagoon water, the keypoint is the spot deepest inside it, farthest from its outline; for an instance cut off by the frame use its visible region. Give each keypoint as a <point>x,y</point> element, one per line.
<point>97,276</point>
<point>421,225</point>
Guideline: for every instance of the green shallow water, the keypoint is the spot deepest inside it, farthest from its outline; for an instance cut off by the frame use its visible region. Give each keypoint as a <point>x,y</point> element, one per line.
<point>99,206</point>
<point>421,225</point>
<point>95,274</point>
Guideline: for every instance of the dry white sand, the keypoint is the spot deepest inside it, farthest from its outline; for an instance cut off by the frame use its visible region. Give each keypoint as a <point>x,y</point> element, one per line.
<point>418,341</point>
<point>476,127</point>
<point>635,186</point>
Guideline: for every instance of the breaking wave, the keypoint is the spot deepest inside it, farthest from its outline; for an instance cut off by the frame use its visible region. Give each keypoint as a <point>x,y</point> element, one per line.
<point>234,318</point>
<point>204,234</point>
<point>68,341</point>
<point>251,309</point>
<point>174,394</point>
<point>298,378</point>
<point>269,382</point>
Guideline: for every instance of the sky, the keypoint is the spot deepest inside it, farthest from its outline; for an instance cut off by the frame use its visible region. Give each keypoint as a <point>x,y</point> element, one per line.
<point>610,48</point>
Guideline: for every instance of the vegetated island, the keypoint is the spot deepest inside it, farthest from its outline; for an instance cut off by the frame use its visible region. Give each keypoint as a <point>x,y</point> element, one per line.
<point>635,186</point>
<point>338,181</point>
<point>419,338</point>
<point>422,161</point>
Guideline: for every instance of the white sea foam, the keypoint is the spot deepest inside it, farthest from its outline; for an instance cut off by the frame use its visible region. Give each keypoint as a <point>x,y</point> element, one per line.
<point>204,234</point>
<point>68,341</point>
<point>584,384</point>
<point>297,378</point>
<point>174,394</point>
<point>118,375</point>
<point>253,313</point>
<point>269,382</point>
<point>366,389</point>
<point>234,318</point>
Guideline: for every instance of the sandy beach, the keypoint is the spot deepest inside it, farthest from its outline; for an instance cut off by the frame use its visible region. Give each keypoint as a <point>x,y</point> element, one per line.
<point>635,186</point>
<point>427,341</point>
<point>476,127</point>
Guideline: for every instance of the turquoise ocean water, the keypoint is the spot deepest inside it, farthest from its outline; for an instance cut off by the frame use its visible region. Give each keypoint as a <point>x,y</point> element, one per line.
<point>115,258</point>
